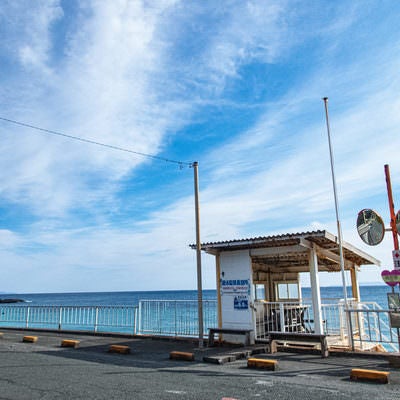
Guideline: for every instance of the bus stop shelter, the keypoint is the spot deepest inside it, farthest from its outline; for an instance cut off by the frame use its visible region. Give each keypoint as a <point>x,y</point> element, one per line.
<point>274,263</point>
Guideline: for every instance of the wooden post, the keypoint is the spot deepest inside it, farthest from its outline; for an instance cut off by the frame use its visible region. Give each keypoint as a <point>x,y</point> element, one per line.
<point>219,304</point>
<point>355,289</point>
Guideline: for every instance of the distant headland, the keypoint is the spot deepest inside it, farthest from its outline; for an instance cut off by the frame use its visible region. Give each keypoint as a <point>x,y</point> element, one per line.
<point>12,301</point>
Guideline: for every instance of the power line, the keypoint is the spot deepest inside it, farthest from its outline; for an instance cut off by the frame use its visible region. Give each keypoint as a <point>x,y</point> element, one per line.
<point>110,146</point>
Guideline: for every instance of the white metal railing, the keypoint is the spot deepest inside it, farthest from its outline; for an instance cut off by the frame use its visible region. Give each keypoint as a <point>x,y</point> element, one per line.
<point>175,317</point>
<point>152,317</point>
<point>282,317</point>
<point>368,321</point>
<point>373,326</point>
<point>299,317</point>
<point>334,317</point>
<point>113,319</point>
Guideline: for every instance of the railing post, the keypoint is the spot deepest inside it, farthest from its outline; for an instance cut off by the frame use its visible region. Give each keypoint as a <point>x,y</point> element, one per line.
<point>341,319</point>
<point>27,317</point>
<point>135,312</point>
<point>350,328</point>
<point>360,326</point>
<point>60,319</point>
<point>139,326</point>
<point>96,319</point>
<point>282,316</point>
<point>175,321</point>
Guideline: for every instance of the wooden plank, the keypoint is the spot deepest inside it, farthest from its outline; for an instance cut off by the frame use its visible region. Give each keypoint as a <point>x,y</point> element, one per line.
<point>394,359</point>
<point>228,331</point>
<point>298,337</point>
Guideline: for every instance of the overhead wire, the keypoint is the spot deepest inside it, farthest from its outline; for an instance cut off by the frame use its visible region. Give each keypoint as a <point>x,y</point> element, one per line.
<point>90,141</point>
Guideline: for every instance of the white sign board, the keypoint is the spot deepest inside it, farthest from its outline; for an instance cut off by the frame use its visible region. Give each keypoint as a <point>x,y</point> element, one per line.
<point>237,286</point>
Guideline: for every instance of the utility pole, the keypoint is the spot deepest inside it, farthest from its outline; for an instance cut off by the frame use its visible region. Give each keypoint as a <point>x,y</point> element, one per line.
<point>195,166</point>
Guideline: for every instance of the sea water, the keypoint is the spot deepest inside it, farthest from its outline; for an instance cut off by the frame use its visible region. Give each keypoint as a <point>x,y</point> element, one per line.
<point>373,293</point>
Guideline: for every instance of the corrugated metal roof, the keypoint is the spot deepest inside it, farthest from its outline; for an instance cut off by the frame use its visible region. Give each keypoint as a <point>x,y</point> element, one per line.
<point>264,239</point>
<point>321,238</point>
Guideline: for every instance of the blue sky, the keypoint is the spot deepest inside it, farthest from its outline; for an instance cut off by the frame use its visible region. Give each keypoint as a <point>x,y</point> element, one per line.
<point>234,85</point>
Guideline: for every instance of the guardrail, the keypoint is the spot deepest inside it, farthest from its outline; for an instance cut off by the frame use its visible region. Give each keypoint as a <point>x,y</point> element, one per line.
<point>282,317</point>
<point>373,326</point>
<point>175,317</point>
<point>151,317</point>
<point>369,322</point>
<point>112,319</point>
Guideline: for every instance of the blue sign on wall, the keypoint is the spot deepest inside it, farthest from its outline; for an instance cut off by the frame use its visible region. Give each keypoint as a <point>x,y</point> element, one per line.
<point>241,302</point>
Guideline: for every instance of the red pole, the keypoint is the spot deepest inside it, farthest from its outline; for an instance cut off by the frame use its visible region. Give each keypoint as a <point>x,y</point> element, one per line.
<point>391,208</point>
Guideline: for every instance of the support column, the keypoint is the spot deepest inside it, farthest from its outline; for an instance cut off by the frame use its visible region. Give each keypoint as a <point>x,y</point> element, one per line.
<point>355,289</point>
<point>219,305</point>
<point>315,292</point>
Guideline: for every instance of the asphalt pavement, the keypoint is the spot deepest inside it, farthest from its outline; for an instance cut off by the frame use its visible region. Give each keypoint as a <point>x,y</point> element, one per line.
<point>45,370</point>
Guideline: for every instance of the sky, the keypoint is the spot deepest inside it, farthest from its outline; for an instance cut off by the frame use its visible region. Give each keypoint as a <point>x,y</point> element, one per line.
<point>236,86</point>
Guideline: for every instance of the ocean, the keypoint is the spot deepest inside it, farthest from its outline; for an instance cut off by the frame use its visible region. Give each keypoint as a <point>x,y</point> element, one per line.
<point>118,312</point>
<point>375,293</point>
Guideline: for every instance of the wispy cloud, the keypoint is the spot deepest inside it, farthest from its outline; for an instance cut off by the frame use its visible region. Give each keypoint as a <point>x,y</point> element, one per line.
<point>236,85</point>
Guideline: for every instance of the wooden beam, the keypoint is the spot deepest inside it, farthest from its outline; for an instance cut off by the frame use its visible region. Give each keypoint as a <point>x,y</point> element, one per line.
<point>280,250</point>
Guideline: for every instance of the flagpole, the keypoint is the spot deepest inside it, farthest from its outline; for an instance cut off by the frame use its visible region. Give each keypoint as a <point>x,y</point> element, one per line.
<point>339,228</point>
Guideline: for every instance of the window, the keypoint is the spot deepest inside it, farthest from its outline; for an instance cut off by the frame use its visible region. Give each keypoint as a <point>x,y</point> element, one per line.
<point>259,291</point>
<point>287,290</point>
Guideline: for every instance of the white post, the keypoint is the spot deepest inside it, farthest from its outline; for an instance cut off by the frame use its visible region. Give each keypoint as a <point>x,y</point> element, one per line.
<point>282,316</point>
<point>315,292</point>
<point>27,317</point>
<point>135,320</point>
<point>60,319</point>
<point>96,319</point>
<point>139,325</point>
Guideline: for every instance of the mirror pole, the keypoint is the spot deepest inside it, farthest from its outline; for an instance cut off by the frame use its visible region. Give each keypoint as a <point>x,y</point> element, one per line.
<point>391,208</point>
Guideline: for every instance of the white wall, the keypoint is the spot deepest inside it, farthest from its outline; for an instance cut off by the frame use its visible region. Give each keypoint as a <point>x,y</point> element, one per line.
<point>236,290</point>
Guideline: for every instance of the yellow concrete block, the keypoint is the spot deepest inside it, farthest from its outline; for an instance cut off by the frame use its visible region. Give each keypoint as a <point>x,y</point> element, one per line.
<point>369,375</point>
<point>30,339</point>
<point>116,348</point>
<point>271,365</point>
<point>70,343</point>
<point>180,355</point>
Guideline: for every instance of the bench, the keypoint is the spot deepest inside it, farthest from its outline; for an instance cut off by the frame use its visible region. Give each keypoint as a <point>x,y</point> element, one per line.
<point>228,331</point>
<point>298,337</point>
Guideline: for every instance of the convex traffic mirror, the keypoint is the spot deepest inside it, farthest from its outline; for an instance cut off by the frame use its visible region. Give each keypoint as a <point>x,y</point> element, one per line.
<point>370,227</point>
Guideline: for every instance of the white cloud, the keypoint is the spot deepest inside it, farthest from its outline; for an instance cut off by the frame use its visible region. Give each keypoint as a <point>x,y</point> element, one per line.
<point>124,77</point>
<point>27,26</point>
<point>102,89</point>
